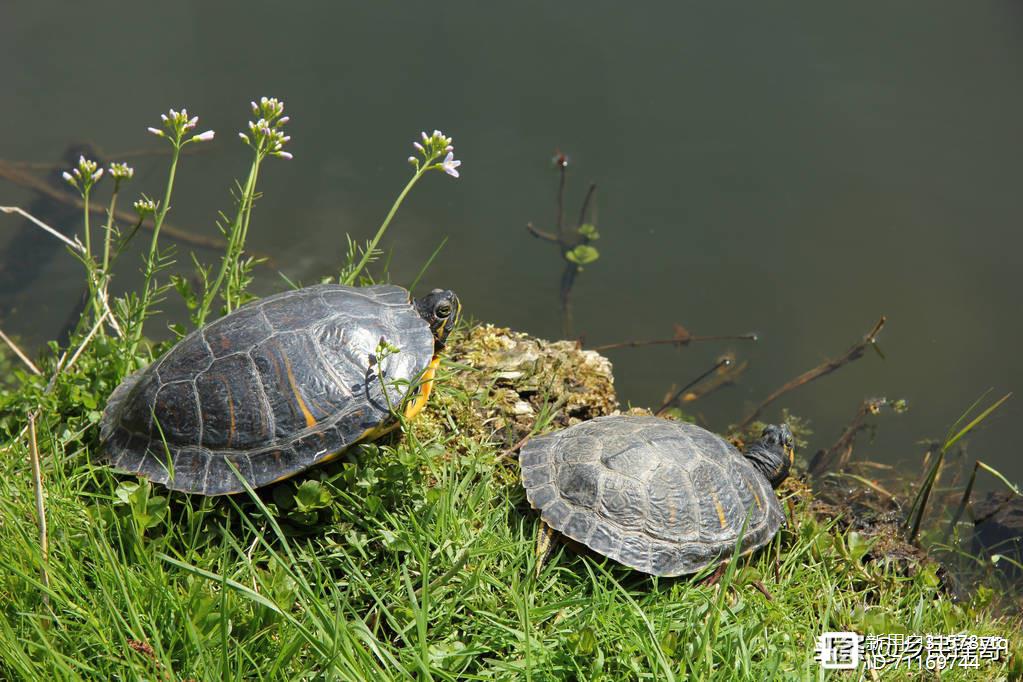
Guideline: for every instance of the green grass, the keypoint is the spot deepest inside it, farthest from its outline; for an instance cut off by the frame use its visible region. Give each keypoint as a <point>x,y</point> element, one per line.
<point>410,560</point>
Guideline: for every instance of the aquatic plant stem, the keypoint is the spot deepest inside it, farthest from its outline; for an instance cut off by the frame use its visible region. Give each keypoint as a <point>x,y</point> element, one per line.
<point>367,254</point>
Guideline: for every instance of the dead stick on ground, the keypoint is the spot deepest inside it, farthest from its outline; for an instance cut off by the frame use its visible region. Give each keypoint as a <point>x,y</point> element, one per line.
<point>827,367</point>
<point>37,474</point>
<point>512,449</point>
<point>17,351</point>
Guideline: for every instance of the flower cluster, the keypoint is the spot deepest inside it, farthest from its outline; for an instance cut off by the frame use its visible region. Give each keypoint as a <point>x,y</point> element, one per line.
<point>145,207</point>
<point>266,135</point>
<point>121,172</point>
<point>82,178</point>
<point>176,124</point>
<point>432,148</point>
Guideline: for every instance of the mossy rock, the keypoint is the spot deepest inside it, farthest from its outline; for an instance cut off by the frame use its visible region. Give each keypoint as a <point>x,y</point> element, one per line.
<point>513,379</point>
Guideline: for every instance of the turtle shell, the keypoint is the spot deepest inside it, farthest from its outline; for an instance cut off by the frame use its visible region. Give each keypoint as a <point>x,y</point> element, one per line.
<point>662,497</point>
<point>275,387</point>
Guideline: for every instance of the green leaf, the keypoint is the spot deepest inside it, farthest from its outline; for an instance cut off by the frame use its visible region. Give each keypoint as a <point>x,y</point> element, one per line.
<point>589,230</point>
<point>582,254</point>
<point>312,495</point>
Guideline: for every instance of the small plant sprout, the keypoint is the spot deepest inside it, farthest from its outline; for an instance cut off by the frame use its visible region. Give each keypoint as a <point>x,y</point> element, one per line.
<point>384,350</point>
<point>433,152</point>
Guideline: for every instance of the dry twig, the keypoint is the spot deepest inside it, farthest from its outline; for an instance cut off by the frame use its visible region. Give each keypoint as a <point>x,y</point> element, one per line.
<point>827,367</point>
<point>37,475</point>
<point>17,351</point>
<point>839,454</point>
<point>682,337</point>
<point>104,296</point>
<point>720,364</point>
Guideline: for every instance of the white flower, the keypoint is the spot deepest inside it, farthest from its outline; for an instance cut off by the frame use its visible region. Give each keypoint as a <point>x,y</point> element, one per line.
<point>449,165</point>
<point>121,171</point>
<point>204,137</point>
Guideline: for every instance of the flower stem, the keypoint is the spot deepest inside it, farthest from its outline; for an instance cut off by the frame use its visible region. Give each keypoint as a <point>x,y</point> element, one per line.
<point>90,264</point>
<point>108,236</point>
<point>151,265</point>
<point>350,279</point>
<point>235,241</point>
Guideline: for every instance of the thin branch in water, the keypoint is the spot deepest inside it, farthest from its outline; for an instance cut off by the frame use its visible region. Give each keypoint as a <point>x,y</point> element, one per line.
<point>569,239</point>
<point>726,376</point>
<point>540,234</point>
<point>37,476</point>
<point>586,203</point>
<point>17,351</point>
<point>827,367</point>
<point>720,364</point>
<point>681,337</point>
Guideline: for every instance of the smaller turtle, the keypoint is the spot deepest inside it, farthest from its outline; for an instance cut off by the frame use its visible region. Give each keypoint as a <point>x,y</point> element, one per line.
<point>662,497</point>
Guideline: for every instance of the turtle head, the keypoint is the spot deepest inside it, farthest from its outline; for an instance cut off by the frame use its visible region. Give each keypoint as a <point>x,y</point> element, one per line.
<point>440,308</point>
<point>773,454</point>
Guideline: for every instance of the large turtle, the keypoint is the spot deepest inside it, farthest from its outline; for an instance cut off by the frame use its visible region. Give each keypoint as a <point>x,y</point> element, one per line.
<point>663,497</point>
<point>277,386</point>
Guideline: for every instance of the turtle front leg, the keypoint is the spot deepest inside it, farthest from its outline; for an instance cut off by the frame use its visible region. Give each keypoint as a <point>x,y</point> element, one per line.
<point>546,538</point>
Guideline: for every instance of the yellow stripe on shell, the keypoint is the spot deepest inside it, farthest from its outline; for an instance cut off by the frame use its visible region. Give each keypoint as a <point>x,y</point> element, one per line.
<point>310,420</point>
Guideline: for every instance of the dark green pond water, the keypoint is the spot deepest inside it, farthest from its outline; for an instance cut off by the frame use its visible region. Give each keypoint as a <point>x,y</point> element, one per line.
<point>796,170</point>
